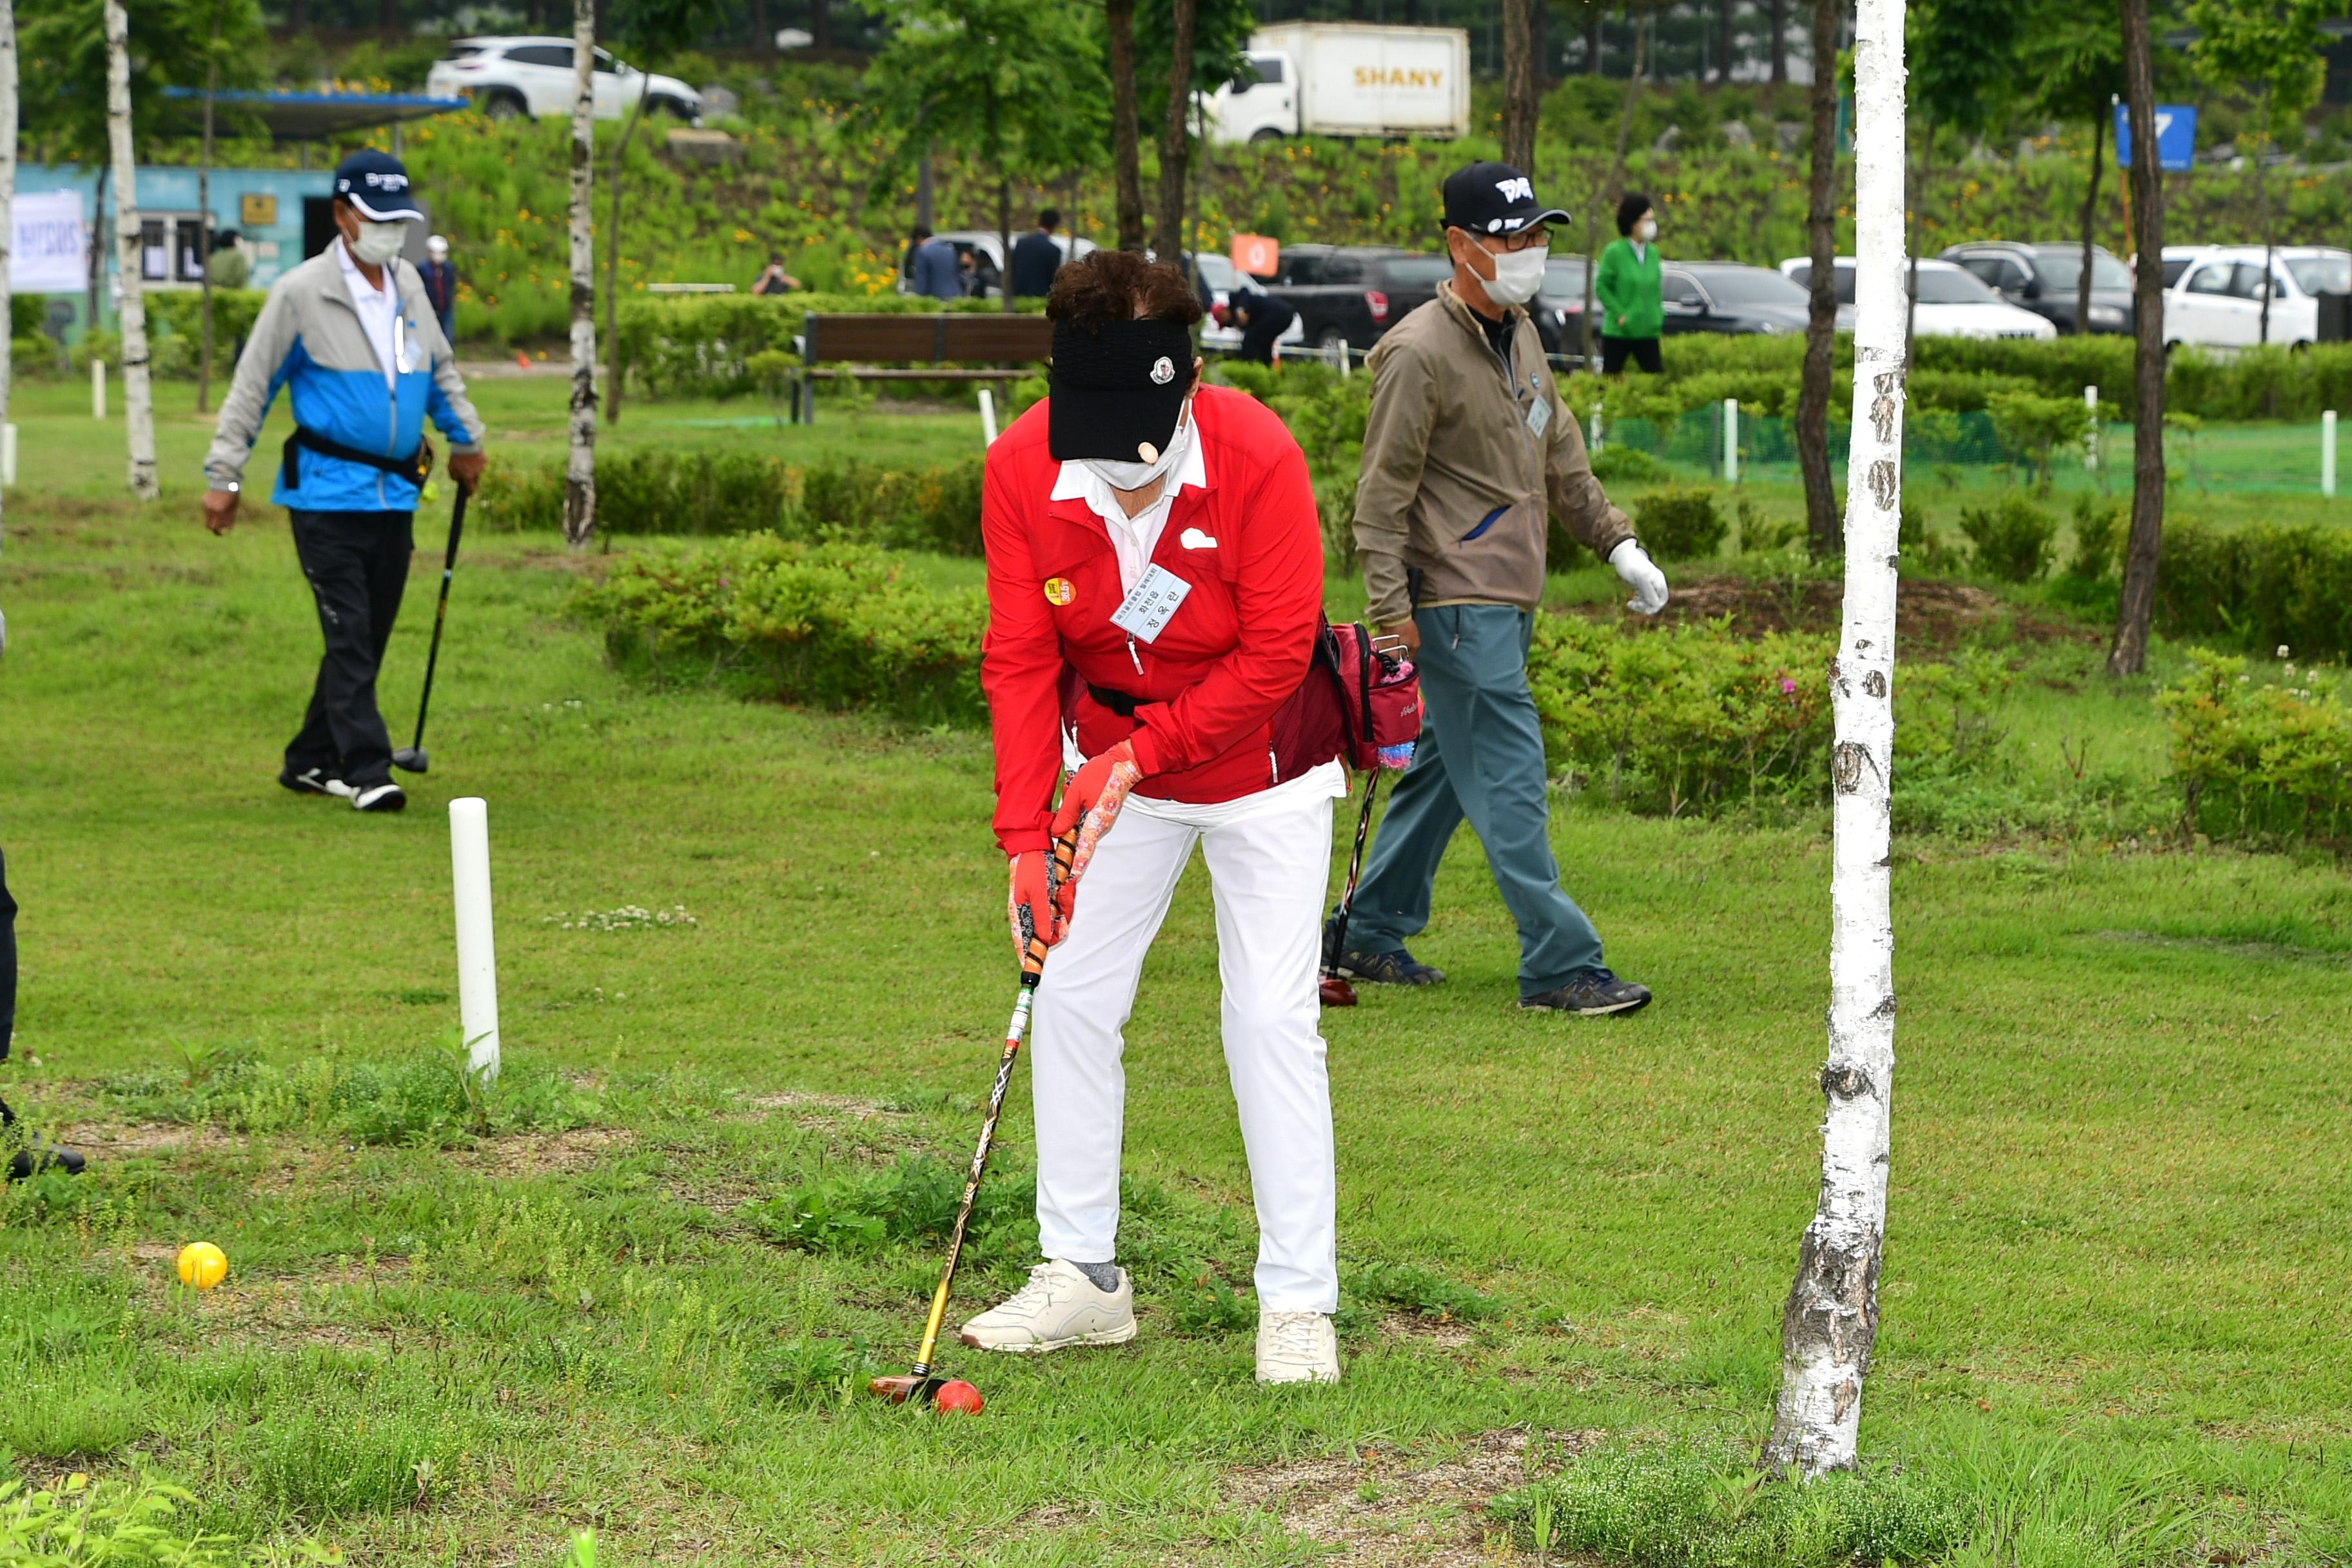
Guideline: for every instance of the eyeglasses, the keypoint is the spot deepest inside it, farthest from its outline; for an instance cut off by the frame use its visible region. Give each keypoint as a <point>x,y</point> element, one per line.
<point>1534,237</point>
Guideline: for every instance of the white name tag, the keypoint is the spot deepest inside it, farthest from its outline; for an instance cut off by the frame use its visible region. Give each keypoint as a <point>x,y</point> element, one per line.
<point>1539,415</point>
<point>1148,608</point>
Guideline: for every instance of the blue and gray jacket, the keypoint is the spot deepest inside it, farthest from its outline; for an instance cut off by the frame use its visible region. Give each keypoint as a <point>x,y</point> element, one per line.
<point>308,340</point>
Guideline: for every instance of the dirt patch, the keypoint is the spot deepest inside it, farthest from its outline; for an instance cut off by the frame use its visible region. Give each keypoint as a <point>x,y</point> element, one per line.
<point>1383,1507</point>
<point>541,1154</point>
<point>1929,616</point>
<point>144,1140</point>
<point>1445,1333</point>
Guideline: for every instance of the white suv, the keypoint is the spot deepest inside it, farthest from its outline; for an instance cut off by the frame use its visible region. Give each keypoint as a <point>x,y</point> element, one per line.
<point>507,77</point>
<point>2213,294</point>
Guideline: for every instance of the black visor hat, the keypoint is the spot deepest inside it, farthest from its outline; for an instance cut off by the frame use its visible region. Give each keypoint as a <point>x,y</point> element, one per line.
<point>1116,389</point>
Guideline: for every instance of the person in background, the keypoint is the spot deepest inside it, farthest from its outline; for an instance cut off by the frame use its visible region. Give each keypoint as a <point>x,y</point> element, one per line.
<point>1632,310</point>
<point>439,276</point>
<point>362,357</point>
<point>1263,320</point>
<point>1461,467</point>
<point>774,280</point>
<point>1037,258</point>
<point>24,1153</point>
<point>931,268</point>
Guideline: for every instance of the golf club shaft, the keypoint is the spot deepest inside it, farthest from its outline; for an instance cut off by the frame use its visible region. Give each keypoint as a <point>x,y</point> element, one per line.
<point>441,612</point>
<point>1033,969</point>
<point>1355,867</point>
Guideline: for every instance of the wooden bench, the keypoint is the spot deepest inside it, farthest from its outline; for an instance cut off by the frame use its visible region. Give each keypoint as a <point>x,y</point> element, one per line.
<point>1008,346</point>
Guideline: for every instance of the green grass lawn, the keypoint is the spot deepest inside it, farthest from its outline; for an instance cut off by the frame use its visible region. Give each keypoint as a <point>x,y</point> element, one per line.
<point>2114,1293</point>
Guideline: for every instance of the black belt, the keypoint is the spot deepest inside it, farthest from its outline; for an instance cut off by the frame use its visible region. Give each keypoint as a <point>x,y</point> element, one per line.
<point>413,467</point>
<point>1118,702</point>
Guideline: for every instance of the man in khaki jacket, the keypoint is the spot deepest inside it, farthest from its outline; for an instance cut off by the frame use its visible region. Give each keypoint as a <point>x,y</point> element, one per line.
<point>1467,449</point>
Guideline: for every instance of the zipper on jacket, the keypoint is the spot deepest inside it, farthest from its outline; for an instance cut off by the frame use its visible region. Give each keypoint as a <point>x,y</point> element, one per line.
<point>1132,655</point>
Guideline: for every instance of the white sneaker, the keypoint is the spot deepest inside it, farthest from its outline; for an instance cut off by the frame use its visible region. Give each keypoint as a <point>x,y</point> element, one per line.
<point>1058,1308</point>
<point>1297,1347</point>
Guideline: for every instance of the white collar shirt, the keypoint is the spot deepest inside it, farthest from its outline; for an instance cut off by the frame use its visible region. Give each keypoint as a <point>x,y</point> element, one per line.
<point>1133,538</point>
<point>379,311</point>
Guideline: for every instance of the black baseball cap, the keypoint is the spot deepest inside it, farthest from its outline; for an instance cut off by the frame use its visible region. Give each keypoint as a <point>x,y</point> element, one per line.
<point>1494,198</point>
<point>1116,388</point>
<point>377,186</point>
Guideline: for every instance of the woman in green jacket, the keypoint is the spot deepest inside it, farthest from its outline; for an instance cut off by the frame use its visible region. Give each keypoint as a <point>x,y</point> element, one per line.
<point>1627,286</point>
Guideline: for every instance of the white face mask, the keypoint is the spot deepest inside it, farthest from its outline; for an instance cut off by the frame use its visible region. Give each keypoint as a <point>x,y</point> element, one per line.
<point>1133,476</point>
<point>1518,274</point>
<point>1646,231</point>
<point>379,242</point>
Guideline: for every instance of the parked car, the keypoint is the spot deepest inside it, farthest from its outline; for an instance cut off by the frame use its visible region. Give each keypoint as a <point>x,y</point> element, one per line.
<point>1559,303</point>
<point>512,78</point>
<point>988,254</point>
<point>2044,279</point>
<point>1699,297</point>
<point>1952,303</point>
<point>1352,294</point>
<point>2216,297</point>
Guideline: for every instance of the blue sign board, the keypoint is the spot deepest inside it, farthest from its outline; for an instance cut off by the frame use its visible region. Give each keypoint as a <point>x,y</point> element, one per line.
<point>2176,136</point>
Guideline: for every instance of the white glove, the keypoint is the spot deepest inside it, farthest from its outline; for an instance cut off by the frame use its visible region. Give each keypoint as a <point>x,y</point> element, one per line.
<point>1642,574</point>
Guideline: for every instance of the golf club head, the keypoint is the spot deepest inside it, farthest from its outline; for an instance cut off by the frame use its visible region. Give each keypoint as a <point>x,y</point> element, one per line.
<point>411,758</point>
<point>906,1390</point>
<point>1335,992</point>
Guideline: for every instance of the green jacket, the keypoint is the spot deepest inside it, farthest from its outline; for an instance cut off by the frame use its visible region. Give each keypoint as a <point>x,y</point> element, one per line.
<point>1627,288</point>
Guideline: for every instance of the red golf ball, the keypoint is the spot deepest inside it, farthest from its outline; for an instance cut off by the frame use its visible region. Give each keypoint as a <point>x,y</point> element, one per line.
<point>959,1396</point>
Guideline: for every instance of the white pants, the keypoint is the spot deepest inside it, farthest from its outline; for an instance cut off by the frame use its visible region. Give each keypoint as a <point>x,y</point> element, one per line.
<point>1269,864</point>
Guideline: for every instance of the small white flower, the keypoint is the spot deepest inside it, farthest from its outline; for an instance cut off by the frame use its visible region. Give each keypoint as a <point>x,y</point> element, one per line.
<point>2281,652</point>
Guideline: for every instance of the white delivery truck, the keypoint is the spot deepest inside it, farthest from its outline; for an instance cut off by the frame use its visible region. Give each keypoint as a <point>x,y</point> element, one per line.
<point>1347,79</point>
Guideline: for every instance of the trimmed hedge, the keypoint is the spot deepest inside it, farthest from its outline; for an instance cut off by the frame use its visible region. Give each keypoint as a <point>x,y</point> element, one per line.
<point>2259,586</point>
<point>701,345</point>
<point>839,625</point>
<point>658,492</point>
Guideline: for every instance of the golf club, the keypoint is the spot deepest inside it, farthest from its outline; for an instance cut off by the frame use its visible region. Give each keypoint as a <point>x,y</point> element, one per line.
<point>413,758</point>
<point>1335,989</point>
<point>920,1386</point>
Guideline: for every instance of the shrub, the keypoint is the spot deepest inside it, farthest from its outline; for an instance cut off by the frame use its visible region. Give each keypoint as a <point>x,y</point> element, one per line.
<point>1761,535</point>
<point>1682,718</point>
<point>2098,538</point>
<point>833,625</point>
<point>2260,758</point>
<point>177,316</point>
<point>1680,524</point>
<point>2030,425</point>
<point>2258,585</point>
<point>705,345</point>
<point>1620,464</point>
<point>2012,538</point>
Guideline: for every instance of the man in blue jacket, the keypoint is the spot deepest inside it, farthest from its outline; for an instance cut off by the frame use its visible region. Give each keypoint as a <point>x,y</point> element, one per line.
<point>352,337</point>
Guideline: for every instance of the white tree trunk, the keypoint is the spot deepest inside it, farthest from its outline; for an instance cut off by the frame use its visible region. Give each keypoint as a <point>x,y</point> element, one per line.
<point>138,400</point>
<point>8,187</point>
<point>1832,1316</point>
<point>580,472</point>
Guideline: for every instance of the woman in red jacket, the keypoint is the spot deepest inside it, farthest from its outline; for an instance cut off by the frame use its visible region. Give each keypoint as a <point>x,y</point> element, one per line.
<point>1155,580</point>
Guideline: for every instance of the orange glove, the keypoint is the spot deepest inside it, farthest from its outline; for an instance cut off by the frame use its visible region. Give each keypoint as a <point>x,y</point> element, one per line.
<point>1029,909</point>
<point>1090,803</point>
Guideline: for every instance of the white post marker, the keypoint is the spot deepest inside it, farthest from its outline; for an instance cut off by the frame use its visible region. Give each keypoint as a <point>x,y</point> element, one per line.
<point>2091,428</point>
<point>1594,445</point>
<point>987,417</point>
<point>8,455</point>
<point>2326,453</point>
<point>98,389</point>
<point>477,960</point>
<point>1731,440</point>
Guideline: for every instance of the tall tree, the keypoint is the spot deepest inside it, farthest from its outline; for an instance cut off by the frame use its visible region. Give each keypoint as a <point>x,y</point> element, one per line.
<point>1607,197</point>
<point>7,193</point>
<point>1182,48</point>
<point>656,28</point>
<point>138,390</point>
<point>1592,37</point>
<point>2074,57</point>
<point>1125,127</point>
<point>579,468</point>
<point>1724,39</point>
<point>2270,50</point>
<point>1009,83</point>
<point>1169,230</point>
<point>1822,536</point>
<point>1520,100</point>
<point>1831,1320</point>
<point>1777,18</point>
<point>233,50</point>
<point>2128,655</point>
<point>1964,75</point>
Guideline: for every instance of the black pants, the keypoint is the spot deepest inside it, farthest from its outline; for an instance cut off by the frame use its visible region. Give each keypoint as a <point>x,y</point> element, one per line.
<point>1642,351</point>
<point>7,961</point>
<point>358,566</point>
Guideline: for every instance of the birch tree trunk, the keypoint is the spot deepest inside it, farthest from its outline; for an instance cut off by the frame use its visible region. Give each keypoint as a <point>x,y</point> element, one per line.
<point>8,190</point>
<point>204,240</point>
<point>2128,655</point>
<point>580,470</point>
<point>137,396</point>
<point>1821,539</point>
<point>1832,1317</point>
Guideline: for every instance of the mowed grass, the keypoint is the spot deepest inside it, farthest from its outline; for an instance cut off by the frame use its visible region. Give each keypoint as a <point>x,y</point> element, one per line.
<point>2114,1293</point>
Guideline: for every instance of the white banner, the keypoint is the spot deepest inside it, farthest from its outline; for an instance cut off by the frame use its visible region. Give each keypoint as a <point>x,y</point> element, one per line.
<point>50,252</point>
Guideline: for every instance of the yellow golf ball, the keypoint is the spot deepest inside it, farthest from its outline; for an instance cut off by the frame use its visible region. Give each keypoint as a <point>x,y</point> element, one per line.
<point>203,1265</point>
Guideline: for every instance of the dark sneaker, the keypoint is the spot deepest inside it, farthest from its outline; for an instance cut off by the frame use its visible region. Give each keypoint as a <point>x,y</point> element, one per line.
<point>310,781</point>
<point>43,1157</point>
<point>382,795</point>
<point>1398,968</point>
<point>1591,993</point>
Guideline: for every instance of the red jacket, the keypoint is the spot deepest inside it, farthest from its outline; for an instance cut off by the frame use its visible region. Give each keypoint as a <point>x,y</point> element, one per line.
<point>1236,651</point>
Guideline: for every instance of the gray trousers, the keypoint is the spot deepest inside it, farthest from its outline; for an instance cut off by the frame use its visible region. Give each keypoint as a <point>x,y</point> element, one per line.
<point>1480,756</point>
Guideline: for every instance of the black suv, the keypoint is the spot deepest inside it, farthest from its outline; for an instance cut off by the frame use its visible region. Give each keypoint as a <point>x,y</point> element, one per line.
<point>1351,294</point>
<point>2042,278</point>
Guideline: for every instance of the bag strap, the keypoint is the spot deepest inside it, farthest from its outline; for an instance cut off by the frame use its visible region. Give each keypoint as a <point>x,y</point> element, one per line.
<point>415,467</point>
